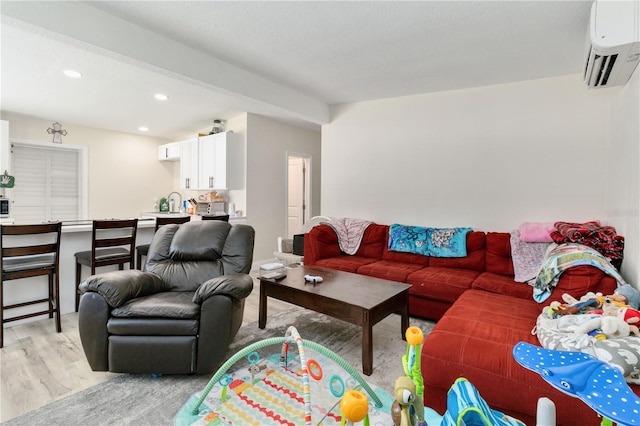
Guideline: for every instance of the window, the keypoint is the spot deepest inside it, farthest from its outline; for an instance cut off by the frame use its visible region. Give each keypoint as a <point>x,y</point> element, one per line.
<point>49,182</point>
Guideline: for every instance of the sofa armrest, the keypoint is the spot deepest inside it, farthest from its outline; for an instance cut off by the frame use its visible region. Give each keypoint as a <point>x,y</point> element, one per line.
<point>118,287</point>
<point>236,286</point>
<point>93,316</point>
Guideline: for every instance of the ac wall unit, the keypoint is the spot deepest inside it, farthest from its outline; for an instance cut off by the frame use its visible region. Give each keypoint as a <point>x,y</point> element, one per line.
<point>613,43</point>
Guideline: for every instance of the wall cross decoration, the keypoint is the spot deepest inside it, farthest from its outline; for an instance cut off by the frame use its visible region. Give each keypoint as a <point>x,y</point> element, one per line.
<point>57,132</point>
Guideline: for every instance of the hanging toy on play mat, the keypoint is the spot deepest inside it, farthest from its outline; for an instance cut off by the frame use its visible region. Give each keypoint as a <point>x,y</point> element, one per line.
<point>596,383</point>
<point>408,408</point>
<point>316,387</point>
<point>465,406</point>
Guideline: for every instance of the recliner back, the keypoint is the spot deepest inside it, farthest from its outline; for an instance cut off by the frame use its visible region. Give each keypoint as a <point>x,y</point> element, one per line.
<point>187,255</point>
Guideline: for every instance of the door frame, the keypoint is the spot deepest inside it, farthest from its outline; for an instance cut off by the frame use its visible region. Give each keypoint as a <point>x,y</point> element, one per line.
<point>307,159</point>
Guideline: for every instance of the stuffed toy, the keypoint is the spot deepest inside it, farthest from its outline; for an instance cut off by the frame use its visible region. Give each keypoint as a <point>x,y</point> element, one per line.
<point>611,326</point>
<point>589,302</point>
<point>628,315</point>
<point>572,301</point>
<point>631,294</point>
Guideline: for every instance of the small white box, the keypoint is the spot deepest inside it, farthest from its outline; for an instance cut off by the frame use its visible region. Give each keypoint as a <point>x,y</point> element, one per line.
<point>270,270</point>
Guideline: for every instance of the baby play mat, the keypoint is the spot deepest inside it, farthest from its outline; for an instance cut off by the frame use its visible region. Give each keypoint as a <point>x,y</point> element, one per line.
<point>303,384</point>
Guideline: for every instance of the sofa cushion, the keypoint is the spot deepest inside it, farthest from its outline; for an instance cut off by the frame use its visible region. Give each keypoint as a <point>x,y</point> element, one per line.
<point>580,280</point>
<point>502,284</point>
<point>170,304</point>
<point>389,270</point>
<point>474,339</point>
<point>475,258</point>
<point>441,283</point>
<point>321,243</point>
<point>373,241</point>
<point>498,257</point>
<point>346,263</point>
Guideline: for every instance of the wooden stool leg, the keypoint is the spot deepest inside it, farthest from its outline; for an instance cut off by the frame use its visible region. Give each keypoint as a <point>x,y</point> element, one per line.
<point>78,271</point>
<point>139,260</point>
<point>1,313</point>
<point>51,295</point>
<point>57,303</point>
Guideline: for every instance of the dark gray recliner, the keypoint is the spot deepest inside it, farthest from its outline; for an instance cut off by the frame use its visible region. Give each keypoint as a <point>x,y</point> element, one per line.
<point>179,315</point>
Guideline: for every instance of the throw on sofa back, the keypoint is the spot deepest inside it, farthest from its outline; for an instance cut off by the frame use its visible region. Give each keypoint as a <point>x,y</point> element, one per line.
<point>323,243</point>
<point>187,255</point>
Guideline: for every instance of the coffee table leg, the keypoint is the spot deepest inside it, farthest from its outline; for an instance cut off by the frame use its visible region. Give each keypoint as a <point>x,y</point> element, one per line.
<point>367,345</point>
<point>262,312</point>
<point>404,319</point>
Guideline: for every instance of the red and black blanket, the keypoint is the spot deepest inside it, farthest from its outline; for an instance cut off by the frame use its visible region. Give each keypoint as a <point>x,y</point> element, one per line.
<point>603,239</point>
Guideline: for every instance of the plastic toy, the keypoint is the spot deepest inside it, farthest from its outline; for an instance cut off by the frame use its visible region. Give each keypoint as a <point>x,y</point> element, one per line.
<point>408,404</point>
<point>580,375</point>
<point>354,407</point>
<point>313,279</point>
<point>408,407</point>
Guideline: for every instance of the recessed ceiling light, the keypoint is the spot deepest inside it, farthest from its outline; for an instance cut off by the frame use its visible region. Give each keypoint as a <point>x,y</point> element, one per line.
<point>72,74</point>
<point>143,129</point>
<point>161,97</point>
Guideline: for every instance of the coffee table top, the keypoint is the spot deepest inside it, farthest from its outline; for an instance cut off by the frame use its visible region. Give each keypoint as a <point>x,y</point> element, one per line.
<point>356,289</point>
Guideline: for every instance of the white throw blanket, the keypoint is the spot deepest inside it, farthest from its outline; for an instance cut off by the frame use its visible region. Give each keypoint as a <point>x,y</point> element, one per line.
<point>349,232</point>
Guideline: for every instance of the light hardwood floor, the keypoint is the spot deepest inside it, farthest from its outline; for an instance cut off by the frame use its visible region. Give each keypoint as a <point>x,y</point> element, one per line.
<point>39,366</point>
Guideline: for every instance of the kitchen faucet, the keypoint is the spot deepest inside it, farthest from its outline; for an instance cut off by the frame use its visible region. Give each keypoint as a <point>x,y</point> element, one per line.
<point>172,206</point>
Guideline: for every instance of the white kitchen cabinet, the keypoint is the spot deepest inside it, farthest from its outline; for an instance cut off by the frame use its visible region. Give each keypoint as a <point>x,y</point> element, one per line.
<point>221,163</point>
<point>189,164</point>
<point>169,151</point>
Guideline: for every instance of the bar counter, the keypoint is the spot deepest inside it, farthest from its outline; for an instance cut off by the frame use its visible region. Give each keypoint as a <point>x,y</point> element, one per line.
<point>76,237</point>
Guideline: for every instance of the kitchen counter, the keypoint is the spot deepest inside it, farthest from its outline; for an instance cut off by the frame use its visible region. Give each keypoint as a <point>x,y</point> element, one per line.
<point>87,225</point>
<point>232,219</point>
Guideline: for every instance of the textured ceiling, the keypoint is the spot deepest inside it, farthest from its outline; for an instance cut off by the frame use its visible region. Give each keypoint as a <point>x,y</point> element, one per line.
<point>288,60</point>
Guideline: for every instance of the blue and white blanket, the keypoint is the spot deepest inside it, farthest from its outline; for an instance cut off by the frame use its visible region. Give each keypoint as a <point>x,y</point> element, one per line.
<point>436,242</point>
<point>566,256</point>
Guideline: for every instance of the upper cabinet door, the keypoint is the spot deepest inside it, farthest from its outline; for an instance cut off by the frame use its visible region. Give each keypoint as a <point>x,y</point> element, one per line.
<point>221,161</point>
<point>207,161</point>
<point>189,164</point>
<point>170,151</point>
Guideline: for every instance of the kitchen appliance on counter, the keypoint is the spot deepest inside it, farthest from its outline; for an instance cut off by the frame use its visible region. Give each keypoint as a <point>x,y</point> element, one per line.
<point>218,207</point>
<point>4,207</point>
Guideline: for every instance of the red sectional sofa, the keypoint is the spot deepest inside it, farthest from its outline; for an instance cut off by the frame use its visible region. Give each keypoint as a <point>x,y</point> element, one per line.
<point>481,313</point>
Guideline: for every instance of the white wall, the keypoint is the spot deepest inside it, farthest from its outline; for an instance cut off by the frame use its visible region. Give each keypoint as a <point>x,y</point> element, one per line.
<point>623,186</point>
<point>124,172</point>
<point>489,157</point>
<point>268,142</point>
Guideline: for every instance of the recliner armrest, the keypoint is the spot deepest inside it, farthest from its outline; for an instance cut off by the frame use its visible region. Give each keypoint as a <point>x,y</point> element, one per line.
<point>118,287</point>
<point>237,286</point>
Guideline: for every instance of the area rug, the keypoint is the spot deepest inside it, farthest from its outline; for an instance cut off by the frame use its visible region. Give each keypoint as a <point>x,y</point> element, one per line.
<point>146,400</point>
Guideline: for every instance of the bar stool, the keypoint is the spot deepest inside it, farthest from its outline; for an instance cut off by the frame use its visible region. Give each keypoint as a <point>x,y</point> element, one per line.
<point>31,251</point>
<point>143,249</point>
<point>108,248</point>
<point>222,217</point>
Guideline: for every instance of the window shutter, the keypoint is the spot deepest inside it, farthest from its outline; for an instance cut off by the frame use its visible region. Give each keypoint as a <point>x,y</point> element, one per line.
<point>47,183</point>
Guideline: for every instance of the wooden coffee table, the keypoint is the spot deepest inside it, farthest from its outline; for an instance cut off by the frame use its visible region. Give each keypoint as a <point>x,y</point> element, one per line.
<point>357,299</point>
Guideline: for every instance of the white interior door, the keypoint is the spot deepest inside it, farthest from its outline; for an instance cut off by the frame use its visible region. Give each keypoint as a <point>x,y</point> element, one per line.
<point>297,194</point>
<point>295,209</point>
